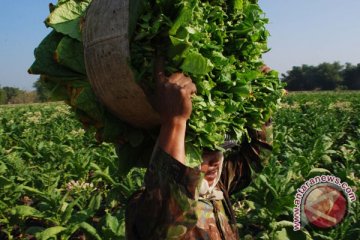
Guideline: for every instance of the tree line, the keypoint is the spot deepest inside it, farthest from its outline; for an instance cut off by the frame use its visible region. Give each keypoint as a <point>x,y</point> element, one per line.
<point>12,95</point>
<point>325,76</point>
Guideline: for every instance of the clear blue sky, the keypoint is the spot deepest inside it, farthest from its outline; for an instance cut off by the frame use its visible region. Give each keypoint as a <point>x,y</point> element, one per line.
<point>302,32</point>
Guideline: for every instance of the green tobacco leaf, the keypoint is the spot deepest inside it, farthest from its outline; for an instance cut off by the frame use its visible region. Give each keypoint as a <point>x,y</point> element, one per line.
<point>326,159</point>
<point>317,172</point>
<point>70,28</point>
<point>26,211</point>
<point>67,213</point>
<point>45,62</point>
<point>287,232</point>
<point>243,91</point>
<point>184,17</point>
<point>196,64</point>
<point>90,229</point>
<point>3,168</point>
<point>80,216</point>
<point>95,202</point>
<point>193,156</point>
<point>105,176</point>
<point>263,178</point>
<point>281,224</point>
<point>86,101</point>
<point>34,230</point>
<point>57,91</point>
<point>238,5</point>
<point>50,232</point>
<point>116,227</point>
<point>5,182</point>
<point>70,53</point>
<point>112,222</point>
<point>66,18</point>
<point>34,192</point>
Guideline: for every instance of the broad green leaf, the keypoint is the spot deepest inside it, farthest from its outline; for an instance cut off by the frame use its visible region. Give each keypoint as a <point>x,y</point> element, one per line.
<point>105,176</point>
<point>81,216</point>
<point>67,213</point>
<point>238,5</point>
<point>26,211</point>
<point>243,91</point>
<point>114,225</point>
<point>4,182</point>
<point>45,59</point>
<point>326,159</point>
<point>264,179</point>
<point>50,232</point>
<point>281,235</point>
<point>67,18</point>
<point>86,101</point>
<point>184,17</point>
<point>3,168</point>
<point>317,172</point>
<point>196,64</point>
<point>34,191</point>
<point>290,234</point>
<point>71,28</point>
<point>193,156</point>
<point>90,229</point>
<point>70,54</point>
<point>282,224</point>
<point>34,230</point>
<point>95,202</point>
<point>112,222</point>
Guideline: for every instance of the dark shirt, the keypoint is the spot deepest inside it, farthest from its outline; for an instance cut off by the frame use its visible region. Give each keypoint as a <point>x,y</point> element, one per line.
<point>169,207</point>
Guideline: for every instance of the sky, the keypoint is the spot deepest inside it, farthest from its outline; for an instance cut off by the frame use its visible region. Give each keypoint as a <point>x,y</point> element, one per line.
<point>302,32</point>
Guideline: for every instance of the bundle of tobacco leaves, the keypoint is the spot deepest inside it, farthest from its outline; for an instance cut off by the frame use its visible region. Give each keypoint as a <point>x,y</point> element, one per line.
<point>218,43</point>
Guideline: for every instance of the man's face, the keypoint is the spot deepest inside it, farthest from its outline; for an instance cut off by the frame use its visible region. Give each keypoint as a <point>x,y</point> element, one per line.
<point>211,165</point>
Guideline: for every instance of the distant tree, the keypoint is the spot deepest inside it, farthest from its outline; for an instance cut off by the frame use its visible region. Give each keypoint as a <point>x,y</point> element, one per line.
<point>24,97</point>
<point>11,92</point>
<point>328,76</point>
<point>351,75</point>
<point>3,96</point>
<point>300,78</point>
<point>42,90</point>
<point>325,76</point>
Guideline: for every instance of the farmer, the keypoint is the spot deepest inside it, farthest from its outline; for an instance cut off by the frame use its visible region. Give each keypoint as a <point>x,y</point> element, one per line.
<point>179,202</point>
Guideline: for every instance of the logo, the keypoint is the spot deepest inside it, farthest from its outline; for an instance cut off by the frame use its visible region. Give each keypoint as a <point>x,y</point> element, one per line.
<point>325,206</point>
<point>322,202</point>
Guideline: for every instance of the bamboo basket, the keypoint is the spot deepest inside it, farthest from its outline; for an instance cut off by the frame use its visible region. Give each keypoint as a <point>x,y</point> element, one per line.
<point>107,57</point>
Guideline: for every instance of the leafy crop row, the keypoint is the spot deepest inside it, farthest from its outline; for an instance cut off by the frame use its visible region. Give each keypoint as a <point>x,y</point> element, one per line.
<point>57,182</point>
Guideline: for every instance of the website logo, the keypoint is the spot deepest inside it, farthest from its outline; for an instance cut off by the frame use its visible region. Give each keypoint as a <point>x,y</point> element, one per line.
<point>322,202</point>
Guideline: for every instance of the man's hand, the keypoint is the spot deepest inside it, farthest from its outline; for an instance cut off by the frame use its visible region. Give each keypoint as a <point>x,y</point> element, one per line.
<point>265,69</point>
<point>174,97</point>
<point>173,102</point>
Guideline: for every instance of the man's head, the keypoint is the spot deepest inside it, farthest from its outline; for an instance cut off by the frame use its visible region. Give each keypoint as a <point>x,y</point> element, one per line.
<point>212,162</point>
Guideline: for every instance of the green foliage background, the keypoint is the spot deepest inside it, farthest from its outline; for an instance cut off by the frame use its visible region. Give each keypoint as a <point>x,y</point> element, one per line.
<point>57,182</point>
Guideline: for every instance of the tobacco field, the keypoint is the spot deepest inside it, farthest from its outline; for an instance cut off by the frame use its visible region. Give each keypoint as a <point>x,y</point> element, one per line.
<point>57,182</point>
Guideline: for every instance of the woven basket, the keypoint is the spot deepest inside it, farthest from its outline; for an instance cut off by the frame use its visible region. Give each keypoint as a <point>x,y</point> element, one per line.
<point>107,57</point>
